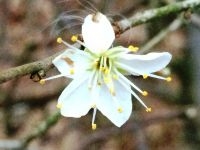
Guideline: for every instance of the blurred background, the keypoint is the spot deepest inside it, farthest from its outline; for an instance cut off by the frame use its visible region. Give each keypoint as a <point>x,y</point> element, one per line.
<point>28,31</point>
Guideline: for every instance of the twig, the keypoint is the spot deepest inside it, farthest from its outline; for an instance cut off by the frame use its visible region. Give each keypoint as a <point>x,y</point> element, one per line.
<point>40,130</point>
<point>137,19</point>
<point>148,15</point>
<point>44,64</point>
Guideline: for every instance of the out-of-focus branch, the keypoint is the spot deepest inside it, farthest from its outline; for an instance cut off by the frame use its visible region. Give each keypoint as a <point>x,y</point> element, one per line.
<point>137,19</point>
<point>189,112</point>
<point>40,130</point>
<point>148,15</point>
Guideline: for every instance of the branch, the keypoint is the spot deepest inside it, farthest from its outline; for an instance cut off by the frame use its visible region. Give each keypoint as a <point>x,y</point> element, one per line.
<point>149,15</point>
<point>44,64</point>
<point>40,130</point>
<point>137,19</point>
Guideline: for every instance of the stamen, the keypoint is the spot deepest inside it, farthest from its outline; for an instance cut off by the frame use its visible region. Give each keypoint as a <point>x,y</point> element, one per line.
<point>133,93</point>
<point>148,109</point>
<point>132,70</point>
<point>145,76</point>
<point>168,79</point>
<point>42,81</point>
<point>115,76</point>
<point>94,126</point>
<point>128,81</point>
<point>120,110</point>
<point>59,40</point>
<point>133,49</point>
<point>91,79</point>
<point>74,38</point>
<point>71,71</point>
<point>112,91</point>
<point>144,93</point>
<point>59,105</point>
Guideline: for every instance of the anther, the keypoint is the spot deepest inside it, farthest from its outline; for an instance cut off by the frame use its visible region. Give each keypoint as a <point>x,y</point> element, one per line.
<point>148,109</point>
<point>71,71</point>
<point>144,93</point>
<point>168,79</point>
<point>42,81</point>
<point>133,49</point>
<point>94,126</point>
<point>59,106</point>
<point>112,91</point>
<point>145,76</point>
<point>93,106</point>
<point>59,40</point>
<point>106,80</point>
<point>74,38</point>
<point>106,71</point>
<point>115,77</point>
<point>120,110</point>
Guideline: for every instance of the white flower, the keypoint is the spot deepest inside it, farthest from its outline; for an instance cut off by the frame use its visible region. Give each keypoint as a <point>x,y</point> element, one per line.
<point>99,71</point>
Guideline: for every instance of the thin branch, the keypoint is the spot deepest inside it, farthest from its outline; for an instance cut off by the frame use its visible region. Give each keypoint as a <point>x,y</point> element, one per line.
<point>40,130</point>
<point>137,19</point>
<point>148,15</point>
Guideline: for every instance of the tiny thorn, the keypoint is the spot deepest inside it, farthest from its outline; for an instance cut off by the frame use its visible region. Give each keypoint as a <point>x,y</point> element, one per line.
<point>145,76</point>
<point>168,79</point>
<point>59,106</point>
<point>94,126</point>
<point>133,49</point>
<point>59,40</point>
<point>144,93</point>
<point>42,81</point>
<point>74,38</point>
<point>120,110</point>
<point>148,109</point>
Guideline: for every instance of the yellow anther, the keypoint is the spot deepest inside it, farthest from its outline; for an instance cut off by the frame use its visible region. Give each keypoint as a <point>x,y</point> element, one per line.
<point>74,38</point>
<point>133,49</point>
<point>168,79</point>
<point>71,71</point>
<point>93,106</point>
<point>144,93</point>
<point>145,76</point>
<point>94,126</point>
<point>59,40</point>
<point>148,109</point>
<point>115,77</point>
<point>106,79</point>
<point>112,91</point>
<point>59,106</point>
<point>42,81</point>
<point>106,71</point>
<point>102,68</point>
<point>120,110</point>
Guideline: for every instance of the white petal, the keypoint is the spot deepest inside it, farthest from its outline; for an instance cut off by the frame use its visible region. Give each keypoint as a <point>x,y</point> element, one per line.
<point>76,103</point>
<point>71,63</point>
<point>108,107</point>
<point>98,34</point>
<point>144,64</point>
